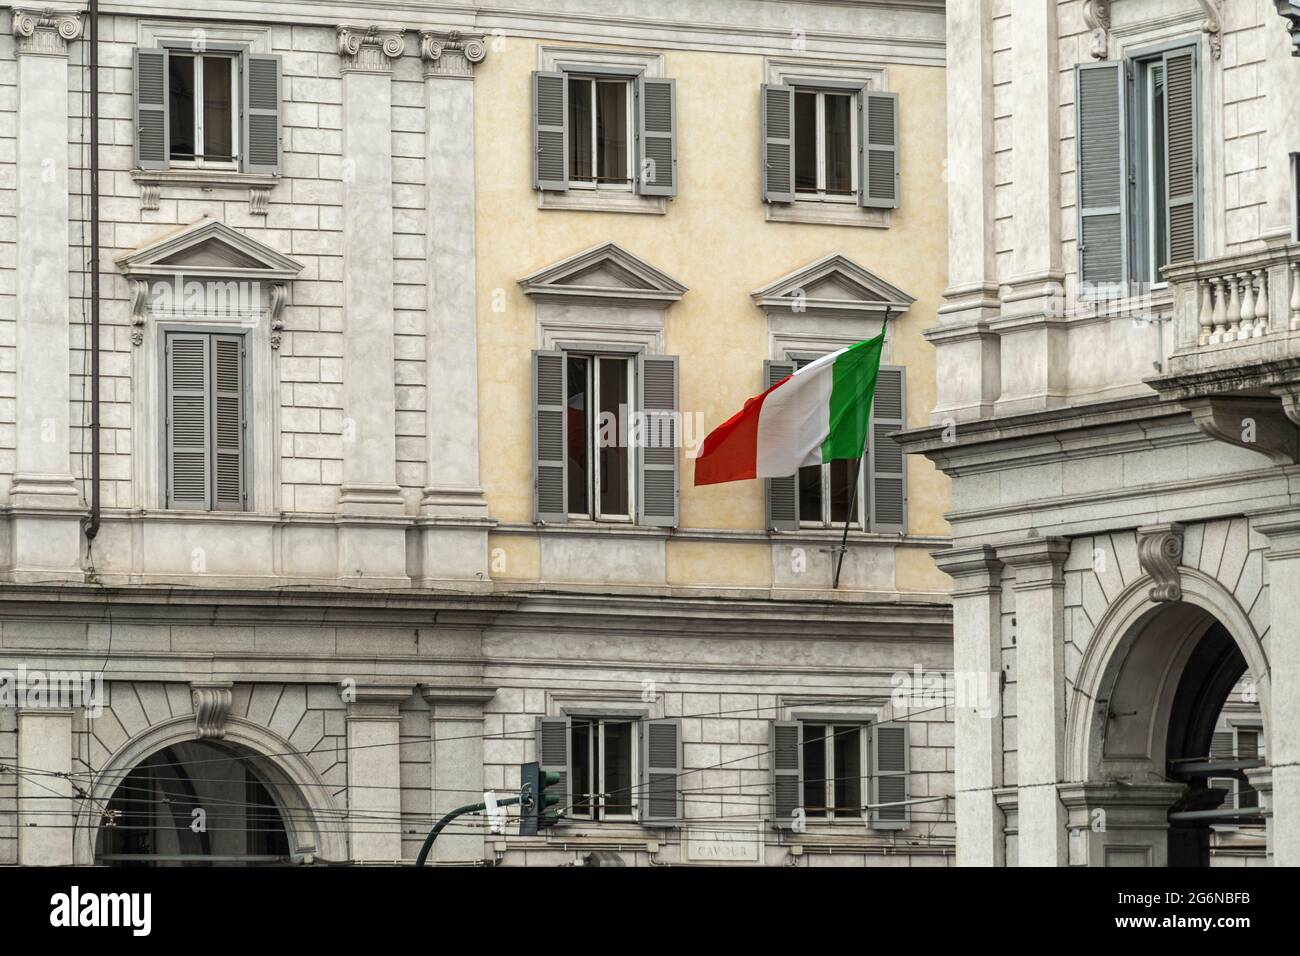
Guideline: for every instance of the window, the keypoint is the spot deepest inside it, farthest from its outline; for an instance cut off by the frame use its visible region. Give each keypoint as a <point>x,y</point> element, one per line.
<point>1239,743</point>
<point>600,133</point>
<point>598,463</point>
<point>826,492</point>
<point>825,145</point>
<point>205,421</point>
<point>202,108</point>
<point>604,758</point>
<point>834,771</point>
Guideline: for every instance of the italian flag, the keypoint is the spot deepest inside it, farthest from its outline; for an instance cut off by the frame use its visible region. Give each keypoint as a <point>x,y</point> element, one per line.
<point>818,414</point>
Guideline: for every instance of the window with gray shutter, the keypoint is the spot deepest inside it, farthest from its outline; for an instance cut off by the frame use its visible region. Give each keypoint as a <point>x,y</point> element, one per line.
<point>263,86</point>
<point>150,74</point>
<point>205,421</point>
<point>889,768</point>
<point>656,173</point>
<point>553,754</point>
<point>878,143</point>
<point>657,493</point>
<point>782,493</point>
<point>785,756</point>
<point>550,437</point>
<point>777,122</point>
<point>886,463</point>
<point>660,796</point>
<point>1181,175</point>
<point>550,135</point>
<point>1099,99</point>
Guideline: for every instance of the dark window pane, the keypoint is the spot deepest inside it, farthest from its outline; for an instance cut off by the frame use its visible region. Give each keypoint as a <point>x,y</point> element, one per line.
<point>613,452</point>
<point>1159,225</point>
<point>810,493</point>
<point>814,770</point>
<point>577,465</point>
<point>611,133</point>
<point>218,110</point>
<point>805,142</point>
<point>581,775</point>
<point>580,121</point>
<point>848,769</point>
<point>839,144</point>
<point>618,768</point>
<point>180,80</point>
<point>842,490</point>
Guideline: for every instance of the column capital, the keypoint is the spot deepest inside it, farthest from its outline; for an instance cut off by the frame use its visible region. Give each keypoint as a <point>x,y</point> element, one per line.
<point>369,49</point>
<point>376,700</point>
<point>1036,561</point>
<point>477,694</point>
<point>451,53</point>
<point>1282,529</point>
<point>45,32</point>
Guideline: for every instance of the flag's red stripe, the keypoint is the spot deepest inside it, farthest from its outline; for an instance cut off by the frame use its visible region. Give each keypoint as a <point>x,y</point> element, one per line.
<point>730,453</point>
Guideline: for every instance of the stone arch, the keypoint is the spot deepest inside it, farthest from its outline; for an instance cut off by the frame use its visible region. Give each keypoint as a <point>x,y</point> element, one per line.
<point>312,818</point>
<point>1205,601</point>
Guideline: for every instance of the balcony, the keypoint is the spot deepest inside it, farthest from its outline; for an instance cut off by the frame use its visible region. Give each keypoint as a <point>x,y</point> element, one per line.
<point>1236,361</point>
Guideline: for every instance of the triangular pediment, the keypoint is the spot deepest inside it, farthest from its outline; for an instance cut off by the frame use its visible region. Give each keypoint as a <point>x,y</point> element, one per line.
<point>602,274</point>
<point>834,284</point>
<point>208,248</point>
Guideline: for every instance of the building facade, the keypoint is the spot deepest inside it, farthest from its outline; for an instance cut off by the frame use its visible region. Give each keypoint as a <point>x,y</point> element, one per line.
<point>1117,410</point>
<point>411,327</point>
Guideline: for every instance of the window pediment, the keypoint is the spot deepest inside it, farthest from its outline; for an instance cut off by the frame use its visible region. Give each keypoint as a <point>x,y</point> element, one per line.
<point>832,286</point>
<point>603,275</point>
<point>208,248</point>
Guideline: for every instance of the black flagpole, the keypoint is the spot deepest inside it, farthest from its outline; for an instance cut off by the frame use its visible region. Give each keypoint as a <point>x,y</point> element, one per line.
<point>853,496</point>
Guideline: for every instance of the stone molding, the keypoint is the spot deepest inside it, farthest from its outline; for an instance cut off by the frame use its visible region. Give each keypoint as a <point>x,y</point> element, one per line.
<point>369,49</point>
<point>45,33</point>
<point>450,53</point>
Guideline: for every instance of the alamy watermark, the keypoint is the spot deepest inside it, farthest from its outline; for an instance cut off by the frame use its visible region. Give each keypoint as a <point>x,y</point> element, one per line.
<point>32,689</point>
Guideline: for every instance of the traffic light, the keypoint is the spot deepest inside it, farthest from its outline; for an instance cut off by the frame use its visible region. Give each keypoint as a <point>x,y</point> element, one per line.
<point>537,798</point>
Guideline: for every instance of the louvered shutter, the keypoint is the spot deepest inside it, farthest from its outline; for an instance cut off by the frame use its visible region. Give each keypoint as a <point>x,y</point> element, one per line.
<point>660,797</point>
<point>777,121</point>
<point>151,126</point>
<point>878,145</point>
<point>550,137</point>
<point>887,465</point>
<point>1247,749</point>
<point>657,138</point>
<point>1221,746</point>
<point>228,422</point>
<point>657,491</point>
<point>782,493</point>
<point>889,769</point>
<point>785,755</point>
<point>554,738</point>
<point>550,438</point>
<point>1099,99</point>
<point>188,421</point>
<point>263,93</point>
<point>1181,175</point>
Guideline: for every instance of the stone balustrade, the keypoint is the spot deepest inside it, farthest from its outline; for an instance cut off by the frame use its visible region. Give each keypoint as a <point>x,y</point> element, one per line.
<point>1238,298</point>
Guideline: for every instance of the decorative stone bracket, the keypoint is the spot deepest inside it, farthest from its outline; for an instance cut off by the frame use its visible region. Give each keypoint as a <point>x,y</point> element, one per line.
<point>1258,424</point>
<point>1096,14</point>
<point>1160,549</point>
<point>212,701</point>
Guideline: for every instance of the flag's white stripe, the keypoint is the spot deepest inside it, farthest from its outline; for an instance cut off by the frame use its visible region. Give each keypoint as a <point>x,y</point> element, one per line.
<point>795,419</point>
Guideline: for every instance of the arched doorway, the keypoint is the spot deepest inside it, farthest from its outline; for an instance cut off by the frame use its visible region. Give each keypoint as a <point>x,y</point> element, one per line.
<point>195,803</point>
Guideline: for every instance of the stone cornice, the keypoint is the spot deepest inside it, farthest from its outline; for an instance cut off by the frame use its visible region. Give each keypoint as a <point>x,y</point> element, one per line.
<point>450,53</point>
<point>45,32</point>
<point>369,49</point>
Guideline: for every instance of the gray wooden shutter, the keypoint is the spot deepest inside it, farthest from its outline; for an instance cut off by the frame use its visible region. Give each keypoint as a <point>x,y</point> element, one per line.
<point>554,739</point>
<point>782,493</point>
<point>777,120</point>
<point>657,491</point>
<point>151,126</point>
<point>660,797</point>
<point>878,143</point>
<point>889,769</point>
<point>1181,175</point>
<point>187,383</point>
<point>550,438</point>
<point>785,756</point>
<point>263,93</point>
<point>228,422</point>
<point>550,136</point>
<point>657,138</point>
<point>1102,200</point>
<point>886,463</point>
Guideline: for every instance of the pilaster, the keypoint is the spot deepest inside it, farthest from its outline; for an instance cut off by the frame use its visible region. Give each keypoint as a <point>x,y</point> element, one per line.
<point>45,799</point>
<point>456,742</point>
<point>1280,78</point>
<point>374,770</point>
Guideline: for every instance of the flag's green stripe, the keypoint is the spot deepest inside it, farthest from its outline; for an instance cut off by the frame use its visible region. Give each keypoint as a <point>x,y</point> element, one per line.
<point>853,386</point>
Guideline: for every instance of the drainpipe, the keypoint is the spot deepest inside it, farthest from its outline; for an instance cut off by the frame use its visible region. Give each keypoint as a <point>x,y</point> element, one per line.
<point>91,524</point>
